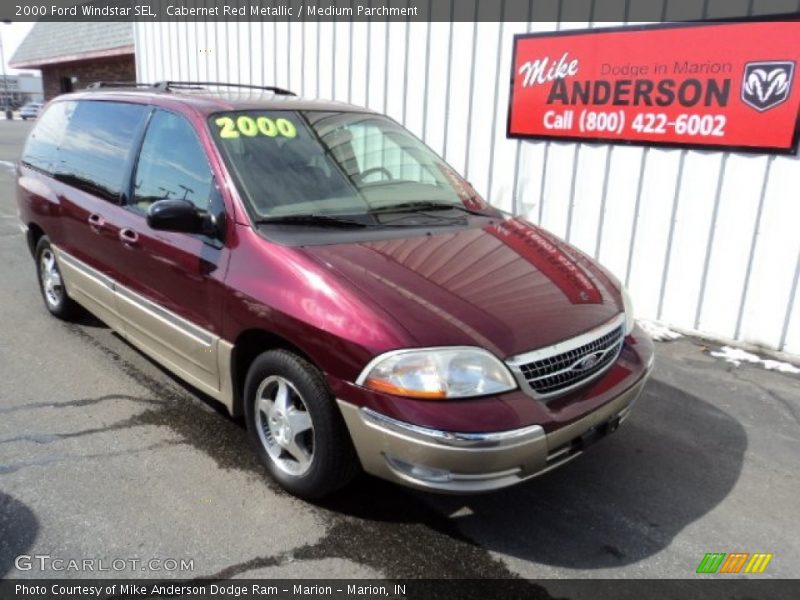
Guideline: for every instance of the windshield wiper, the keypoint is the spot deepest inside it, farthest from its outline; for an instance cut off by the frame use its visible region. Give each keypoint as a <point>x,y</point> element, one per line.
<point>423,205</point>
<point>310,219</point>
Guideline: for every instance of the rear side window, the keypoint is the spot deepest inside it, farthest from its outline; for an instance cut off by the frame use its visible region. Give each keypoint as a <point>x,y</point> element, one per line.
<point>95,151</point>
<point>41,149</point>
<point>172,164</point>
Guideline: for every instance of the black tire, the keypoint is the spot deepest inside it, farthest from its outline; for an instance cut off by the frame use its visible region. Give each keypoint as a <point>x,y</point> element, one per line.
<point>333,461</point>
<point>60,304</point>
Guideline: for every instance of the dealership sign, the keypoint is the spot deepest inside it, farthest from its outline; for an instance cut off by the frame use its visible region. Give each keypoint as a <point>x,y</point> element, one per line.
<point>732,85</point>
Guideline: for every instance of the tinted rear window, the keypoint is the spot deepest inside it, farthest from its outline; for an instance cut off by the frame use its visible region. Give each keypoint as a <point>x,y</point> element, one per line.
<point>42,145</point>
<point>95,151</point>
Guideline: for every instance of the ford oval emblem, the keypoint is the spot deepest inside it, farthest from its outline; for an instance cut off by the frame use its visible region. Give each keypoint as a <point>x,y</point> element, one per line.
<point>587,362</point>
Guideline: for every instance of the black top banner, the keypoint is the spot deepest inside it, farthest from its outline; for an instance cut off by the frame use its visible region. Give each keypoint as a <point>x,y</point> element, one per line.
<point>529,11</point>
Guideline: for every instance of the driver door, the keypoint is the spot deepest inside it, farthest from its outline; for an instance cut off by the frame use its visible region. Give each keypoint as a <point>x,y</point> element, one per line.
<point>171,301</point>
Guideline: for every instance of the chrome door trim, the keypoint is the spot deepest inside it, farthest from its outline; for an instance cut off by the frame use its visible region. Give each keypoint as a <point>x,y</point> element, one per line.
<point>202,336</point>
<point>206,340</point>
<point>189,329</point>
<point>89,287</point>
<point>88,271</point>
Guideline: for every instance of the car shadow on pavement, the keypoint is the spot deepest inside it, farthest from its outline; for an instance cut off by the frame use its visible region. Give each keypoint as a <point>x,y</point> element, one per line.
<point>673,461</point>
<point>624,500</point>
<point>86,319</point>
<point>18,530</point>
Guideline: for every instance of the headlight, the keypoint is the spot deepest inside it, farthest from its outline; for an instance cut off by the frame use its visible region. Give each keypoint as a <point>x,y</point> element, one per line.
<point>630,321</point>
<point>438,373</point>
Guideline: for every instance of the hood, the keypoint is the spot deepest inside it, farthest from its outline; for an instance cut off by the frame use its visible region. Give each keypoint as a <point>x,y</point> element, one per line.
<point>509,286</point>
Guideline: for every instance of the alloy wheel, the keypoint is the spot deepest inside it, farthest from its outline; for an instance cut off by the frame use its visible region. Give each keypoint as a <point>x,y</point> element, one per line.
<point>284,425</point>
<point>51,279</point>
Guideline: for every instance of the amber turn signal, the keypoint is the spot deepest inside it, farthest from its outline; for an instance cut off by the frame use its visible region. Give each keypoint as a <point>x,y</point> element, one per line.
<point>381,385</point>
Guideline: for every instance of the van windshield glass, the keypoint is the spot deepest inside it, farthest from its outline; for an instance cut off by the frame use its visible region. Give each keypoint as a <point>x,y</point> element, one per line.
<point>290,163</point>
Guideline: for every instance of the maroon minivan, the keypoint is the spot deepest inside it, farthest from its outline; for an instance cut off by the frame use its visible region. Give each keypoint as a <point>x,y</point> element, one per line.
<point>316,268</point>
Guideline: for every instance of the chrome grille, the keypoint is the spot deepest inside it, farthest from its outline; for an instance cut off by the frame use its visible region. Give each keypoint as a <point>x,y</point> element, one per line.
<point>552,373</point>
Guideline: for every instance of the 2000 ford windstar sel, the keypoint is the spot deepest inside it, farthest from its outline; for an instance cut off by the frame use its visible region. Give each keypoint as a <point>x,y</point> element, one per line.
<point>317,268</point>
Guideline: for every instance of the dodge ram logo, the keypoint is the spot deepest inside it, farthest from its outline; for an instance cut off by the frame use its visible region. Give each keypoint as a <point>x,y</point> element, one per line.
<point>767,84</point>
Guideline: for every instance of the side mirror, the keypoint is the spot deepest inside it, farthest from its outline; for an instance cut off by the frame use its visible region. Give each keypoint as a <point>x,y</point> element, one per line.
<point>175,215</point>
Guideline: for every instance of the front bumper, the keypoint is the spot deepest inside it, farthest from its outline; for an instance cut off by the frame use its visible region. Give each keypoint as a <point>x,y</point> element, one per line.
<point>441,461</point>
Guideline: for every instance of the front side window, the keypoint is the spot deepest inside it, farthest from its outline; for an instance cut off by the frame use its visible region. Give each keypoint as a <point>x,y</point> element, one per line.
<point>331,163</point>
<point>172,164</point>
<point>95,150</point>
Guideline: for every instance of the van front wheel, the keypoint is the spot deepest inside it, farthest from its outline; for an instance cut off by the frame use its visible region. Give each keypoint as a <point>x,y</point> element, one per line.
<point>295,426</point>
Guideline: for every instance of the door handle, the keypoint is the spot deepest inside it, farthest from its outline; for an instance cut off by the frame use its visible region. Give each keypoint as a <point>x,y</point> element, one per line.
<point>96,221</point>
<point>128,236</point>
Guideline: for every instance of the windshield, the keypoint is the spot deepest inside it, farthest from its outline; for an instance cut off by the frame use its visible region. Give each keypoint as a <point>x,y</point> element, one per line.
<point>290,163</point>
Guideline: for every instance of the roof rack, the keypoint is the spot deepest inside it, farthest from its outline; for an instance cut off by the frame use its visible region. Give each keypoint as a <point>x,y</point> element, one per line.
<point>165,86</point>
<point>96,85</point>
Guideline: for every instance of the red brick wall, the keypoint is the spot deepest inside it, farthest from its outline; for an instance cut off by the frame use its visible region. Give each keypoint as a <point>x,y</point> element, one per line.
<point>119,68</point>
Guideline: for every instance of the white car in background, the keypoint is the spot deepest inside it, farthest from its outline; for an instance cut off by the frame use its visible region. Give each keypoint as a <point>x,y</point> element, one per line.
<point>30,110</point>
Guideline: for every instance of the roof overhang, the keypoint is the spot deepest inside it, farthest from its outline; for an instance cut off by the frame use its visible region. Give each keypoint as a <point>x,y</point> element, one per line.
<point>71,58</point>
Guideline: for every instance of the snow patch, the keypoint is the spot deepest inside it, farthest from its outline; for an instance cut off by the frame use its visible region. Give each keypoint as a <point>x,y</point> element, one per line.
<point>658,331</point>
<point>736,356</point>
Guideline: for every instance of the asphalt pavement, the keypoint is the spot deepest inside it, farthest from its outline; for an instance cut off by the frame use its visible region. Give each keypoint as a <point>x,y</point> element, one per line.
<point>104,455</point>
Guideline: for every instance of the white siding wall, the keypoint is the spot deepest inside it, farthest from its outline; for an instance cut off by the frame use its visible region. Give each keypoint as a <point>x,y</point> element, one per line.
<point>706,241</point>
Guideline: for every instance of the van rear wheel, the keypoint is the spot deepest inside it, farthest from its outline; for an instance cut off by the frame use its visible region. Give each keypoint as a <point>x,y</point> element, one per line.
<point>295,426</point>
<point>51,284</point>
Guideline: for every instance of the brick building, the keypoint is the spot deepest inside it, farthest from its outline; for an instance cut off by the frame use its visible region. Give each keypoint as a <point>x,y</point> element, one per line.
<point>73,55</point>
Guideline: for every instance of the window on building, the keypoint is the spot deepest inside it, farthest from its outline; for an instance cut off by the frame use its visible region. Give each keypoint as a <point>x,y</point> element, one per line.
<point>65,85</point>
